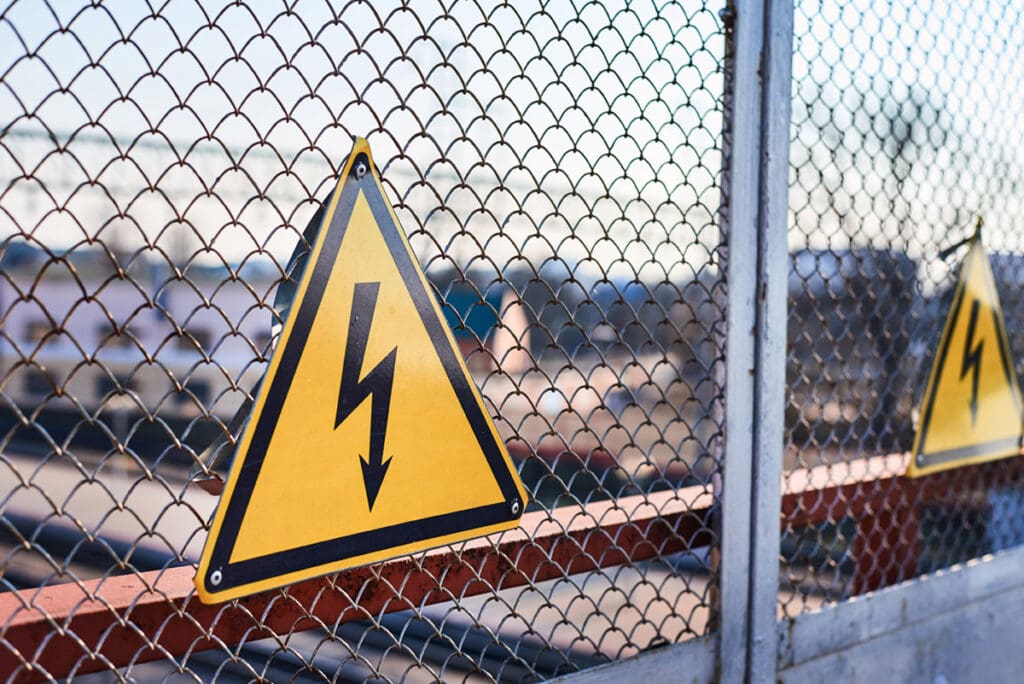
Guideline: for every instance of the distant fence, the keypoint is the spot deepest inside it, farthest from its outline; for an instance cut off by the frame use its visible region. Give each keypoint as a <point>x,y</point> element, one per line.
<point>688,251</point>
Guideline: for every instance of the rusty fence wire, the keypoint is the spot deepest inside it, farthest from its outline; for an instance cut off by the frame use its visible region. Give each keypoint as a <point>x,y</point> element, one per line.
<point>557,169</point>
<point>907,120</point>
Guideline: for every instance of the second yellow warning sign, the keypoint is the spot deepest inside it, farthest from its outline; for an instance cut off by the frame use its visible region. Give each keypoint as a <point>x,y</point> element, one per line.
<point>971,411</point>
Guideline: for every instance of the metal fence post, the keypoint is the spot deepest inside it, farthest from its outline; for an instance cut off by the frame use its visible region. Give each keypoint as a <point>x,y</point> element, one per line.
<point>757,190</point>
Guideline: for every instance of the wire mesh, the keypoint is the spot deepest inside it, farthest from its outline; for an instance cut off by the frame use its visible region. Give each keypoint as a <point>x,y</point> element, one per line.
<point>906,127</point>
<point>557,169</point>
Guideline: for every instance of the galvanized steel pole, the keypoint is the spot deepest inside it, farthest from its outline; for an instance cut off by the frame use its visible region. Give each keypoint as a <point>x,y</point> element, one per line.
<point>756,187</point>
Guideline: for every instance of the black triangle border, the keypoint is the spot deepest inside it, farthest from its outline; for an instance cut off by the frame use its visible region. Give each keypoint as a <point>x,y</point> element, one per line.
<point>279,564</point>
<point>992,448</point>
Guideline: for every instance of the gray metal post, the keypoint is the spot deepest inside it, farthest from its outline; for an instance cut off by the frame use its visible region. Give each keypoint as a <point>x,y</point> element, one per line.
<point>757,269</point>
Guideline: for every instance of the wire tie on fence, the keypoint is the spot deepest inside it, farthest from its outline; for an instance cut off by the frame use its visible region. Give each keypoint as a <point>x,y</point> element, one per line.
<point>976,235</point>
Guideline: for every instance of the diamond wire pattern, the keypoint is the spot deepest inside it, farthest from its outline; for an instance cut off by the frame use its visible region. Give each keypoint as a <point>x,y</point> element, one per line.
<point>906,127</point>
<point>557,168</point>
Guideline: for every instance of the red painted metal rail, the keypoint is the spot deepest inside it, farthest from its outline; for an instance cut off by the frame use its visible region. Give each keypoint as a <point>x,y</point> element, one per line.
<point>84,627</point>
<point>887,507</point>
<point>118,621</point>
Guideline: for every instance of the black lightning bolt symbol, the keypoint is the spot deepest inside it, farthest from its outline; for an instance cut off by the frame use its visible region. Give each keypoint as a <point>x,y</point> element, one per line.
<point>972,359</point>
<point>377,384</point>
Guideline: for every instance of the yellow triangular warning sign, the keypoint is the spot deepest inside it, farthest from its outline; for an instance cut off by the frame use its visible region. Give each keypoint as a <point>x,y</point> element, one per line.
<point>971,411</point>
<point>368,438</point>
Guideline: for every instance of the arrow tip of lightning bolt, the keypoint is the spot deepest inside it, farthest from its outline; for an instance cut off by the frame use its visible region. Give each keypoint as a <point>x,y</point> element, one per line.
<point>373,478</point>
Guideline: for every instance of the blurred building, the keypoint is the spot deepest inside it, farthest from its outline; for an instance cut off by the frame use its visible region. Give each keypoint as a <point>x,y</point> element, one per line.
<point>853,314</point>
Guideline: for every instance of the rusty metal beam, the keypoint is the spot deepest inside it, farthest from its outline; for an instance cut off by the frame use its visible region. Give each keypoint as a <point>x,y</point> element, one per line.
<point>863,488</point>
<point>81,627</point>
<point>887,507</point>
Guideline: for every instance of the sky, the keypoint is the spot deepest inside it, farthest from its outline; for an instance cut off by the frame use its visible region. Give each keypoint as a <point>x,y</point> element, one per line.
<point>581,135</point>
<point>942,75</point>
<point>586,135</point>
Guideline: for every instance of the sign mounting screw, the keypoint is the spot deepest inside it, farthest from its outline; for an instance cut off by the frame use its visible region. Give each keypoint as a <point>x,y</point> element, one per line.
<point>360,170</point>
<point>515,507</point>
<point>216,577</point>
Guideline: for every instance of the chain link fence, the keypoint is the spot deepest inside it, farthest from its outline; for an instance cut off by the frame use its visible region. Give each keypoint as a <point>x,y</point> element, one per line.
<point>557,168</point>
<point>906,128</point>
